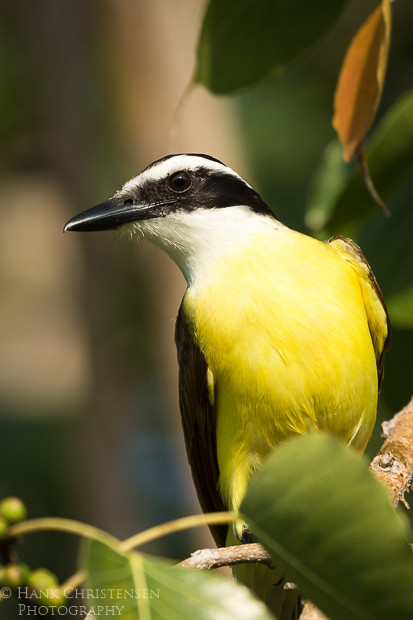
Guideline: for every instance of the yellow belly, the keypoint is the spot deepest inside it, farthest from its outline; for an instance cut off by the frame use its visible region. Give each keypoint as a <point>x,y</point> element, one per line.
<point>284,331</point>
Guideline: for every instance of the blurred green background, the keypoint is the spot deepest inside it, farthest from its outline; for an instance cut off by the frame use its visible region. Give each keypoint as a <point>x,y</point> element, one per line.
<point>90,93</point>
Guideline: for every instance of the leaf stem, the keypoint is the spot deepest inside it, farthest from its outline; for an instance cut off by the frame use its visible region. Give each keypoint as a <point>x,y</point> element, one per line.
<point>368,181</point>
<point>63,525</point>
<point>176,525</point>
<point>73,582</point>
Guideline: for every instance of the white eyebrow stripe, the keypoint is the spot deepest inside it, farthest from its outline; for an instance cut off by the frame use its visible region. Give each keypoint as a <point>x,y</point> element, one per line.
<point>174,164</point>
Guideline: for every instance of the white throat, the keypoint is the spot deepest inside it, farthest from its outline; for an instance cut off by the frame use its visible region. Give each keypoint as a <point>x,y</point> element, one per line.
<point>197,240</point>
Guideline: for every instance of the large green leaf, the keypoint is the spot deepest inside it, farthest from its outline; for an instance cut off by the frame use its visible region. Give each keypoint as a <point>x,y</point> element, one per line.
<point>390,158</point>
<point>148,588</point>
<point>329,525</point>
<point>242,41</point>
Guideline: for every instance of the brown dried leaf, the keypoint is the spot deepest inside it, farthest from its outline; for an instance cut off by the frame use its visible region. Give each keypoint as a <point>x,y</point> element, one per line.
<point>361,79</point>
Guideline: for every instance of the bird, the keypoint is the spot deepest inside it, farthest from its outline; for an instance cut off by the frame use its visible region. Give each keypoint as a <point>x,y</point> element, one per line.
<point>278,334</point>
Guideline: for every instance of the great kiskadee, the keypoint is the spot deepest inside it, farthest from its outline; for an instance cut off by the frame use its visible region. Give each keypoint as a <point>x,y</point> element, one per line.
<point>277,334</point>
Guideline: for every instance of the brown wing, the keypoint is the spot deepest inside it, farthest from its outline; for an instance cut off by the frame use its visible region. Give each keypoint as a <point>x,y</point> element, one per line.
<point>199,423</point>
<point>376,310</point>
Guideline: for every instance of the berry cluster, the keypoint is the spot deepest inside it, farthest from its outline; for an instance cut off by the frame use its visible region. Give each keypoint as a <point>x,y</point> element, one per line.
<point>39,586</point>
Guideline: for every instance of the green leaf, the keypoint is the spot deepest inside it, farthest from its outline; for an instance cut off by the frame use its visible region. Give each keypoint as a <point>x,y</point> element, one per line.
<point>388,244</point>
<point>242,41</point>
<point>390,159</point>
<point>325,187</point>
<point>400,307</point>
<point>329,525</point>
<point>148,588</point>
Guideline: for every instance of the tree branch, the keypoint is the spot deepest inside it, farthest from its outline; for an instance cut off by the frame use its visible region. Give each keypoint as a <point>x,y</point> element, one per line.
<point>393,465</point>
<point>311,612</point>
<point>207,559</point>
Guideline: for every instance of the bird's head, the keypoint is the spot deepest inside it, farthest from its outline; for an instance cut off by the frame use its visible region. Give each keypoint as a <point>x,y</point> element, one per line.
<point>186,204</point>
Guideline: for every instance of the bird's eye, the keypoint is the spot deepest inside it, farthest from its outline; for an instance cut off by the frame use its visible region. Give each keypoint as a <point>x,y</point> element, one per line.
<point>180,181</point>
<point>128,201</point>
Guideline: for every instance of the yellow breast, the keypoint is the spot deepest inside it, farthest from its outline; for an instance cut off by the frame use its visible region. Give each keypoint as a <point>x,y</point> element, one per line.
<point>283,327</point>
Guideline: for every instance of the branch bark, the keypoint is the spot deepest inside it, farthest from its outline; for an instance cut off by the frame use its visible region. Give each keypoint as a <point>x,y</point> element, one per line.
<point>311,612</point>
<point>207,559</point>
<point>393,465</point>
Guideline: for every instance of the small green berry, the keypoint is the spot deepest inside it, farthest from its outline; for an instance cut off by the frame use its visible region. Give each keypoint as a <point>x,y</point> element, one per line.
<point>42,579</point>
<point>25,571</point>
<point>15,575</point>
<point>47,587</point>
<point>51,596</point>
<point>13,509</point>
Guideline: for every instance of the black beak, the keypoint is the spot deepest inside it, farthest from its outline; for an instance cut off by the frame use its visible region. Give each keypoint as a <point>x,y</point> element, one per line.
<point>109,215</point>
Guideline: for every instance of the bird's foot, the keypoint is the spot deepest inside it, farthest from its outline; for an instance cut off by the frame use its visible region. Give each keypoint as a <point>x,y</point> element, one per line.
<point>246,535</point>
